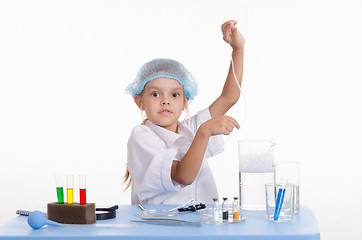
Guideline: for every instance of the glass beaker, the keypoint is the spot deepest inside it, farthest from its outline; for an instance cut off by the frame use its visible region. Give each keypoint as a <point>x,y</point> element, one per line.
<point>279,201</point>
<point>256,158</point>
<point>288,170</point>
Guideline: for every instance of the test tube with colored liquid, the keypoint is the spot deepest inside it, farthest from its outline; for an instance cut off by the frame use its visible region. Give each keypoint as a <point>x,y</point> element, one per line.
<point>59,186</point>
<point>225,209</point>
<point>236,209</point>
<point>82,189</point>
<point>70,184</point>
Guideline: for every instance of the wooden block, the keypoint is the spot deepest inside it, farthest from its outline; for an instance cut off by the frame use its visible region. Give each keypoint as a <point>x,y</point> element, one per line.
<point>74,213</point>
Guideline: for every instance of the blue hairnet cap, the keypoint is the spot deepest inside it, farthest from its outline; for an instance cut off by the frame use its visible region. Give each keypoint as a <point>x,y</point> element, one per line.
<point>163,68</point>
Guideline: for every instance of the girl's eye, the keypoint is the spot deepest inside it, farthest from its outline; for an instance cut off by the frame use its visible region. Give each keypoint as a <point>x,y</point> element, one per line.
<point>155,94</point>
<point>175,95</point>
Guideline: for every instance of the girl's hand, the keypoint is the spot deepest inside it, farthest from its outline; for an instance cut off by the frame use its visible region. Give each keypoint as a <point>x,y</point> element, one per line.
<point>219,125</point>
<point>231,35</point>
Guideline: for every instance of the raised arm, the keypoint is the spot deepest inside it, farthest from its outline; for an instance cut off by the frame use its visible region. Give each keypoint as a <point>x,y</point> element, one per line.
<point>231,92</point>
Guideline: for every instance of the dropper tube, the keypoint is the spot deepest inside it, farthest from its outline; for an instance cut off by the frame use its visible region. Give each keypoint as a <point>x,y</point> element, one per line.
<point>279,201</point>
<point>59,186</point>
<point>70,185</point>
<point>82,189</point>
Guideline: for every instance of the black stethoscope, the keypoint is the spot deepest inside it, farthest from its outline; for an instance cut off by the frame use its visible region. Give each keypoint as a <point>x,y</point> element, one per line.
<point>106,213</point>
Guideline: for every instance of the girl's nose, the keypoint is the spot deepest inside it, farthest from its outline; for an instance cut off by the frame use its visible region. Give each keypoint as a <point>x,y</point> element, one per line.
<point>165,102</point>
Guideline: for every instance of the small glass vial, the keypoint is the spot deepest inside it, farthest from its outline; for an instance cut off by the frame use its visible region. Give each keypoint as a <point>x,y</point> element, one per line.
<point>215,209</point>
<point>236,209</point>
<point>225,210</point>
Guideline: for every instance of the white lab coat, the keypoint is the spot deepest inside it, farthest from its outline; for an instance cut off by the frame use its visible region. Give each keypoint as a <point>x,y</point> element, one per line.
<point>151,151</point>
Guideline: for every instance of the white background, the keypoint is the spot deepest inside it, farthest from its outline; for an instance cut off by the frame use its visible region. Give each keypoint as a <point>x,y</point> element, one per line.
<point>64,66</point>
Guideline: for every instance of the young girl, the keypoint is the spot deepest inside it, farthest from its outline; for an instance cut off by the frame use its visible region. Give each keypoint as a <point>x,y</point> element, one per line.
<point>166,158</point>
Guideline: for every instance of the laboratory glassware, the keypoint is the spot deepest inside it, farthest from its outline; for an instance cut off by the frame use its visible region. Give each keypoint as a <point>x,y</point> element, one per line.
<point>256,158</point>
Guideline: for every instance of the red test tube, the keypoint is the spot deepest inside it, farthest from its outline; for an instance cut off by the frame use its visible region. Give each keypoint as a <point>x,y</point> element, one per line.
<point>82,189</point>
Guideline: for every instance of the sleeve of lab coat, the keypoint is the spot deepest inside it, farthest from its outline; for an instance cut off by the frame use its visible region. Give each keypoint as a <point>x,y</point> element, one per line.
<point>216,143</point>
<point>149,163</point>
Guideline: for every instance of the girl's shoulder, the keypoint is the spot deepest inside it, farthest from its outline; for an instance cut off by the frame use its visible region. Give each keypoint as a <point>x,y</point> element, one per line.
<point>143,135</point>
<point>143,132</point>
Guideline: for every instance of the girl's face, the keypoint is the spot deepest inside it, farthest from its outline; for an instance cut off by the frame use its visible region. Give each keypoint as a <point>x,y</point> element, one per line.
<point>163,101</point>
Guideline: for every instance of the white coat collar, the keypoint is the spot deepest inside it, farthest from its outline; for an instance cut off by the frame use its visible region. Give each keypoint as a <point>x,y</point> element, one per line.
<point>167,136</point>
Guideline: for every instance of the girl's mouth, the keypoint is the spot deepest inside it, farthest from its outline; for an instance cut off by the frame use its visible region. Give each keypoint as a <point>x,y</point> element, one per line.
<point>165,112</point>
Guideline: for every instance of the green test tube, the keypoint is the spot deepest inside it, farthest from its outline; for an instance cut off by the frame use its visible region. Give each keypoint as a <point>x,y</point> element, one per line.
<point>59,185</point>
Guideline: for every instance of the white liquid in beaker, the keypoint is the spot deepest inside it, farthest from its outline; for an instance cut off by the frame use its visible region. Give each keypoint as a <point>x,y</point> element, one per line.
<point>252,189</point>
<point>255,170</point>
